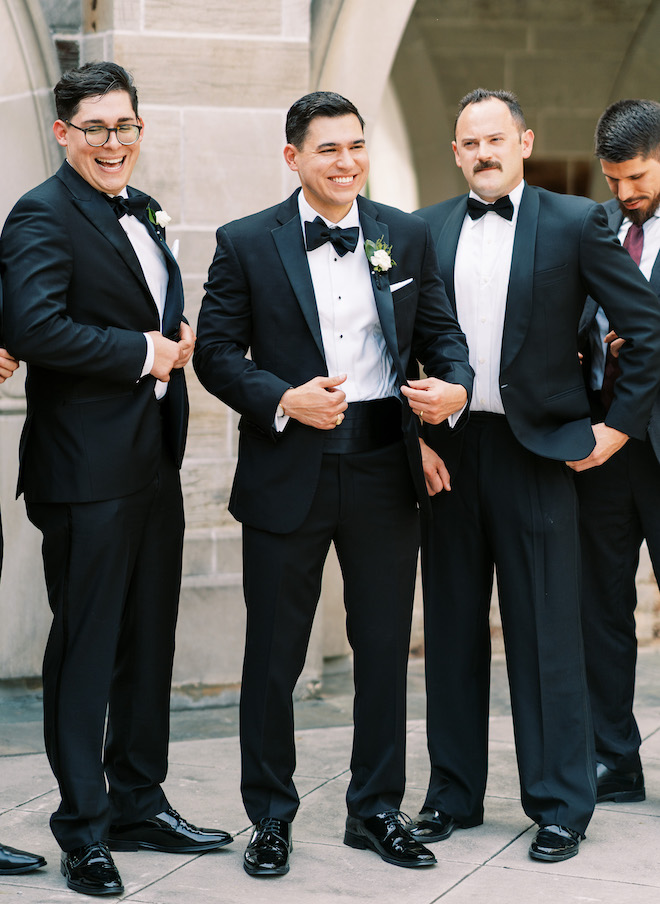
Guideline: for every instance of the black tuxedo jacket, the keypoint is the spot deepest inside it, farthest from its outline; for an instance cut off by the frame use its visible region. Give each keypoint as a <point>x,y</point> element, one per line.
<point>563,251</point>
<point>614,218</point>
<point>76,304</point>
<point>259,297</point>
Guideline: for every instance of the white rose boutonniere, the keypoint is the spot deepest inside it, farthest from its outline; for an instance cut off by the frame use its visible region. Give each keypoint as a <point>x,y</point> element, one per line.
<point>379,256</point>
<point>159,218</point>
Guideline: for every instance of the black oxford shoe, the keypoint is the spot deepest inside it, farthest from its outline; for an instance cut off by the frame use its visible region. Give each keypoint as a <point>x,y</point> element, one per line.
<point>168,832</point>
<point>554,843</point>
<point>387,835</point>
<point>13,862</point>
<point>432,825</point>
<point>91,870</point>
<point>267,854</point>
<point>620,787</point>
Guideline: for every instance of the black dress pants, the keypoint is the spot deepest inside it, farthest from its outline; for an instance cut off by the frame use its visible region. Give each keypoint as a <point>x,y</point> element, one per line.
<point>365,503</point>
<point>517,512</point>
<point>113,573</point>
<point>619,507</point>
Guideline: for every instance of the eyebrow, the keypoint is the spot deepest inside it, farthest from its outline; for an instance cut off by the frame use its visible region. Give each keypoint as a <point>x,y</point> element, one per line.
<point>333,144</point>
<point>497,134</point>
<point>101,122</point>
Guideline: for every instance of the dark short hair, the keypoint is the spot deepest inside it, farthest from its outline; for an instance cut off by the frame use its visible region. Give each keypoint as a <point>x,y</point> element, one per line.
<point>92,80</point>
<point>507,97</point>
<point>627,129</point>
<point>318,103</point>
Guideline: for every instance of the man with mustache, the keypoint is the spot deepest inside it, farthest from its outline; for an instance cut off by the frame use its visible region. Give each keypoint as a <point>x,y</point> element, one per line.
<point>518,262</point>
<point>619,503</point>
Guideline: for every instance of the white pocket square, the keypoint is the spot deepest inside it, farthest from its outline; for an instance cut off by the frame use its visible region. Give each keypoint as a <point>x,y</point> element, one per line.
<point>400,285</point>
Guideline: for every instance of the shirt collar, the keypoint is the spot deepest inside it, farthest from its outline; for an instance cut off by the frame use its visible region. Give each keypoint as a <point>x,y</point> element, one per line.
<point>308,214</point>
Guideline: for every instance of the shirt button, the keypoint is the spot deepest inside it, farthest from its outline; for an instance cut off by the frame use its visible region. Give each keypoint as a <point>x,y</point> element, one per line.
<point>482,360</point>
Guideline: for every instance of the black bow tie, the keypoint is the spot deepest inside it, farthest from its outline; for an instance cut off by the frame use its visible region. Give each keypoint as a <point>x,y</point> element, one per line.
<point>343,240</point>
<point>131,206</point>
<point>503,206</point>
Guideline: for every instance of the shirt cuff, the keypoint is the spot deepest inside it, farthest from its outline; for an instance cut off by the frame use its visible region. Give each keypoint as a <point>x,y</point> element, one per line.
<point>454,418</point>
<point>151,354</point>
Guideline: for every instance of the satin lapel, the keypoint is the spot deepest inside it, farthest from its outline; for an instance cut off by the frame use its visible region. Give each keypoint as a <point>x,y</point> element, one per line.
<point>374,230</point>
<point>289,243</point>
<point>99,213</point>
<point>173,313</point>
<point>447,245</point>
<point>521,279</point>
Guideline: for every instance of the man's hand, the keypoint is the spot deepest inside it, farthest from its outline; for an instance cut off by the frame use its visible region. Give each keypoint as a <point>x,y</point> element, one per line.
<point>433,400</point>
<point>166,356</point>
<point>435,472</point>
<point>608,441</point>
<point>7,365</point>
<point>186,344</point>
<point>316,403</point>
<point>614,343</point>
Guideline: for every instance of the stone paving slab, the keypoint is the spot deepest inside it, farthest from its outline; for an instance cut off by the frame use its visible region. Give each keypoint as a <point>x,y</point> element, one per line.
<point>619,863</point>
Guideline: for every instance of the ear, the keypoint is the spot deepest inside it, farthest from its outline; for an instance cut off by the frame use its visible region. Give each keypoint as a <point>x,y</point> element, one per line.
<point>456,157</point>
<point>291,157</point>
<point>141,122</point>
<point>61,132</point>
<point>527,143</point>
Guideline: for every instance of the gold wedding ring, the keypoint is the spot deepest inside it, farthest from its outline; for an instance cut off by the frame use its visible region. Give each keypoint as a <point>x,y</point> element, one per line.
<point>421,417</point>
<point>340,418</point>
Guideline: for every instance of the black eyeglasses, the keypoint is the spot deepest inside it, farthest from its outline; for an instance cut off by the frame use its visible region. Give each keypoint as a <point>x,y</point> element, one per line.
<point>96,136</point>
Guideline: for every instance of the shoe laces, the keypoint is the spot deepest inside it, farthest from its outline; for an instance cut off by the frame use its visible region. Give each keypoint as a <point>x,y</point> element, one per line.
<point>402,820</point>
<point>181,822</point>
<point>270,826</point>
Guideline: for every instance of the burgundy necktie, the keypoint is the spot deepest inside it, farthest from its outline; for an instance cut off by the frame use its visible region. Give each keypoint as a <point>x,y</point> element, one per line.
<point>634,245</point>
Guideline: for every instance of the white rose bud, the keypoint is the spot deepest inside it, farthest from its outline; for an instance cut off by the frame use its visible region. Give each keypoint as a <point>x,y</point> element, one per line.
<point>162,218</point>
<point>380,260</point>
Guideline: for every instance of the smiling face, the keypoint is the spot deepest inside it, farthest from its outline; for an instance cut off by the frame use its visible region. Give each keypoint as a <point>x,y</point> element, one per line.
<point>332,164</point>
<point>635,183</point>
<point>490,148</point>
<point>108,168</point>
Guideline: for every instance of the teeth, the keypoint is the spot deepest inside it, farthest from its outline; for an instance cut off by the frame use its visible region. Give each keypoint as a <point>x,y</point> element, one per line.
<point>343,180</point>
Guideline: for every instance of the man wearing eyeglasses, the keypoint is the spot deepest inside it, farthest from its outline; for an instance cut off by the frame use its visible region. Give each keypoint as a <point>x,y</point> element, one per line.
<point>94,305</point>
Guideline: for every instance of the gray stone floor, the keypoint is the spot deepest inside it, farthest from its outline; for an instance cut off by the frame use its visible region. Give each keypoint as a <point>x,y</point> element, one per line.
<point>619,863</point>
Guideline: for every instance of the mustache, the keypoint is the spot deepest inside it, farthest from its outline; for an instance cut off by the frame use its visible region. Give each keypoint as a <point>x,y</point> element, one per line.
<point>487,164</point>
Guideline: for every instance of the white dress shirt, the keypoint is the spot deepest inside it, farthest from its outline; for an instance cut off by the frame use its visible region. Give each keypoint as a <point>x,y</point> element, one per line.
<point>154,268</point>
<point>353,340</point>
<point>481,283</point>
<point>650,252</point>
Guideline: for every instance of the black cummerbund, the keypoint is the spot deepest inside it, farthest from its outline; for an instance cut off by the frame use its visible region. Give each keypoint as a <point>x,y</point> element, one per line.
<point>366,426</point>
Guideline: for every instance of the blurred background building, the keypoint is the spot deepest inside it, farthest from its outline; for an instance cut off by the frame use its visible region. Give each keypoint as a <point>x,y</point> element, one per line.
<point>215,79</point>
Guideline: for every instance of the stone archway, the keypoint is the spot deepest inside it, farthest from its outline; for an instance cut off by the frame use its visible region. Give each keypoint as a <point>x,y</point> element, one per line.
<point>27,73</point>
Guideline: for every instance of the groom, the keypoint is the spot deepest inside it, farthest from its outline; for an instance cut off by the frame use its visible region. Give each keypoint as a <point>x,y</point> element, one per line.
<point>329,452</point>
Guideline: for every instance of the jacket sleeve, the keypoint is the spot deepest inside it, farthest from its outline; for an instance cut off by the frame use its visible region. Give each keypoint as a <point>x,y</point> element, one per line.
<point>36,264</point>
<point>224,335</point>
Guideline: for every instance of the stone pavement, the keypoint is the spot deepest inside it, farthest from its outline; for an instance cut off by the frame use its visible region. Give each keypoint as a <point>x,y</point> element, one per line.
<point>619,863</point>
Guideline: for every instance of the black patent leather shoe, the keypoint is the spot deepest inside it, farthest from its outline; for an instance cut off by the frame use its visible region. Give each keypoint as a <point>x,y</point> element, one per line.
<point>432,825</point>
<point>554,843</point>
<point>267,854</point>
<point>619,787</point>
<point>91,870</point>
<point>168,832</point>
<point>387,835</point>
<point>14,862</point>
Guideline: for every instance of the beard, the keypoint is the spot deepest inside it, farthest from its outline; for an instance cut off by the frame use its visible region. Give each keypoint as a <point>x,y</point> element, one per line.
<point>642,214</point>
